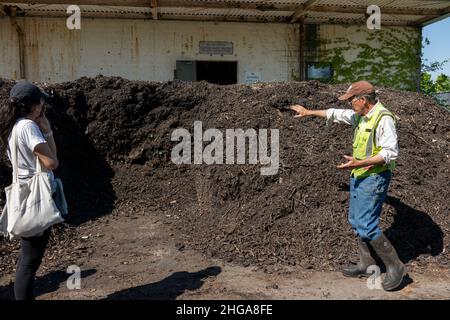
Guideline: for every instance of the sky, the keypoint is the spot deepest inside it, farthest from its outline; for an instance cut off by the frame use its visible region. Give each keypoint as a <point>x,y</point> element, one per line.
<point>439,48</point>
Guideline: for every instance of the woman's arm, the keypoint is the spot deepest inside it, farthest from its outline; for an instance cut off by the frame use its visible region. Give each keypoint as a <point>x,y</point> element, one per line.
<point>46,152</point>
<point>46,155</point>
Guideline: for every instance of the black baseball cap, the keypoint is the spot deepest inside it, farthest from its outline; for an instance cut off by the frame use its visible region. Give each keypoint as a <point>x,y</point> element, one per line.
<point>27,92</point>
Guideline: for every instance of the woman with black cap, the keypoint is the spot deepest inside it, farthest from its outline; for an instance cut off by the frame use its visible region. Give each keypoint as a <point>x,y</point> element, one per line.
<point>25,112</point>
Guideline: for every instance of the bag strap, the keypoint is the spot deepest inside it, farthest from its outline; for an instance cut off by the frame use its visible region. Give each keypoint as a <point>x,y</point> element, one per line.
<point>14,155</point>
<point>38,165</point>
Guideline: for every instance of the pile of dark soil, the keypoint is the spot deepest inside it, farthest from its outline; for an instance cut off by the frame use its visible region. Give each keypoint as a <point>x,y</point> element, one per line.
<point>114,140</point>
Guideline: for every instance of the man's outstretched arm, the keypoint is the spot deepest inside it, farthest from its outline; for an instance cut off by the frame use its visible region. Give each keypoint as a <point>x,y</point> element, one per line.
<point>303,112</point>
<point>345,116</point>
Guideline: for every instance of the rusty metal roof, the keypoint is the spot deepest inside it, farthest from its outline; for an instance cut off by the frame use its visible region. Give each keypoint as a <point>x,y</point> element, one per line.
<point>393,12</point>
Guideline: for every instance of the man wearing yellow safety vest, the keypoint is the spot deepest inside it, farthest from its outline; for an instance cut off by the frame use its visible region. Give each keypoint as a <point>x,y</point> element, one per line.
<point>375,150</point>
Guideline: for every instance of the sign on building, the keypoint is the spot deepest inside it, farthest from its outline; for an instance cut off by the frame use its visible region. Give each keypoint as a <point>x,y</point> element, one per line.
<point>252,77</point>
<point>216,47</point>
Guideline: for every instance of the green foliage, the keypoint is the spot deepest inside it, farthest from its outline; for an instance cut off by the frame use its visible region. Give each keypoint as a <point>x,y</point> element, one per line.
<point>442,83</point>
<point>427,84</point>
<point>432,88</point>
<point>430,66</point>
<point>391,57</point>
<point>387,57</point>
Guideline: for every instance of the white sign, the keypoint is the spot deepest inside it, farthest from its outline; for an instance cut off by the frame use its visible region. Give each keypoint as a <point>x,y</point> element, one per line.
<point>216,47</point>
<point>252,77</point>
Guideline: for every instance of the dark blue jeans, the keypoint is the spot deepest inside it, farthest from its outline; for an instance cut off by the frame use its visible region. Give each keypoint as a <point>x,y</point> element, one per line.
<point>366,201</point>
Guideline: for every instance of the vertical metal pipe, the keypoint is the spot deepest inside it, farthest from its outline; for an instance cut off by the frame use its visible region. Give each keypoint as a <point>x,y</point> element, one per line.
<point>21,38</point>
<point>301,51</point>
<point>419,60</point>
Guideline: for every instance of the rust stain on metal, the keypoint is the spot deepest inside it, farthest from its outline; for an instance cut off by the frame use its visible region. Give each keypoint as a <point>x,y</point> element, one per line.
<point>136,46</point>
<point>33,59</point>
<point>188,44</point>
<point>204,35</point>
<point>21,40</point>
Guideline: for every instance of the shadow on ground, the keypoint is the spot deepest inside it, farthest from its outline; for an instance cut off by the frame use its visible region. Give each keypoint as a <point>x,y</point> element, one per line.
<point>44,284</point>
<point>413,232</point>
<point>169,288</point>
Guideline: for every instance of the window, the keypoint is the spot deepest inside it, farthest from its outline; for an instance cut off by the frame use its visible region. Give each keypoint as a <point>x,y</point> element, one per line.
<point>321,72</point>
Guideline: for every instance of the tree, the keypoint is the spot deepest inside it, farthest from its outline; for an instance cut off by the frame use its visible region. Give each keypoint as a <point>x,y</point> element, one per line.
<point>442,83</point>
<point>427,85</point>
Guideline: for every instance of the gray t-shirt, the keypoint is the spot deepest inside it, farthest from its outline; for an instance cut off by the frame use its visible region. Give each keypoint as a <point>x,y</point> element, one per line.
<point>28,137</point>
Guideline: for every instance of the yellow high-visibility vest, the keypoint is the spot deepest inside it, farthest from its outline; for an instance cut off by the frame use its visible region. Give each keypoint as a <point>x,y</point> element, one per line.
<point>364,142</point>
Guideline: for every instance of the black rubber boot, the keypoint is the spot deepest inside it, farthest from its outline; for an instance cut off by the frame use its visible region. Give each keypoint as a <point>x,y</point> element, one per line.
<point>365,260</point>
<point>395,269</point>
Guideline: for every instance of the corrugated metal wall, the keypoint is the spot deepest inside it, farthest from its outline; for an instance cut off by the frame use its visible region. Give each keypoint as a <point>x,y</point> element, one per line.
<point>143,49</point>
<point>149,49</point>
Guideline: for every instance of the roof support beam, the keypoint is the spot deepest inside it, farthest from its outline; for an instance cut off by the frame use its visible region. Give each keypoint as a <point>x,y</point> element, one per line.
<point>244,19</point>
<point>154,7</point>
<point>262,5</point>
<point>254,19</point>
<point>363,21</point>
<point>445,14</point>
<point>421,21</point>
<point>130,3</point>
<point>2,10</point>
<point>363,10</point>
<point>426,16</point>
<point>300,12</point>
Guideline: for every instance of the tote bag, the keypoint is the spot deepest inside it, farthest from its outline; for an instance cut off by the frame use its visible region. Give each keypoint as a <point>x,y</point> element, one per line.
<point>30,208</point>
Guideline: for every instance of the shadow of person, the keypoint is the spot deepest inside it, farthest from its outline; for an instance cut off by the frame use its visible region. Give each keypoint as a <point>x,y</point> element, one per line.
<point>84,171</point>
<point>413,232</point>
<point>169,288</point>
<point>47,283</point>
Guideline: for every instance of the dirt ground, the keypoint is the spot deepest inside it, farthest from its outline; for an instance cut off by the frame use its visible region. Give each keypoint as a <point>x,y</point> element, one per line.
<point>142,227</point>
<point>135,256</point>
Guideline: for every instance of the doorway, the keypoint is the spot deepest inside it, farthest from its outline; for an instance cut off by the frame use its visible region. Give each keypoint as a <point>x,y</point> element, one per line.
<point>217,72</point>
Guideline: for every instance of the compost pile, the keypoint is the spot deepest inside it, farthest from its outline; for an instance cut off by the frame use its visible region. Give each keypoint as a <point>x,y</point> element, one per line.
<point>114,139</point>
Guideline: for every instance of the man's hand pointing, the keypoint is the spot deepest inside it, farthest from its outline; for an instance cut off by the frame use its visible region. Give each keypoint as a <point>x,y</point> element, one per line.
<point>301,111</point>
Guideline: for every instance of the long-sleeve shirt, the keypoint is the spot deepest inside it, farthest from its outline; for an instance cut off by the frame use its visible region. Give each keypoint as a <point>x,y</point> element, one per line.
<point>386,134</point>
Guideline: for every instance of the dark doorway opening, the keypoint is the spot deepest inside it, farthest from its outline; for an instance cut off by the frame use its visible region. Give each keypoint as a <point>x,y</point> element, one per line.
<point>217,72</point>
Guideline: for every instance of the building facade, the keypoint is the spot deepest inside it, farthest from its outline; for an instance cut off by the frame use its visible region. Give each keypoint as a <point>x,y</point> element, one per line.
<point>216,44</point>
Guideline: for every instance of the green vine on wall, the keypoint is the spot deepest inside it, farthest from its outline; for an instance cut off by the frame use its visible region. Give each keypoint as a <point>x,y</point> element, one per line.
<point>387,57</point>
